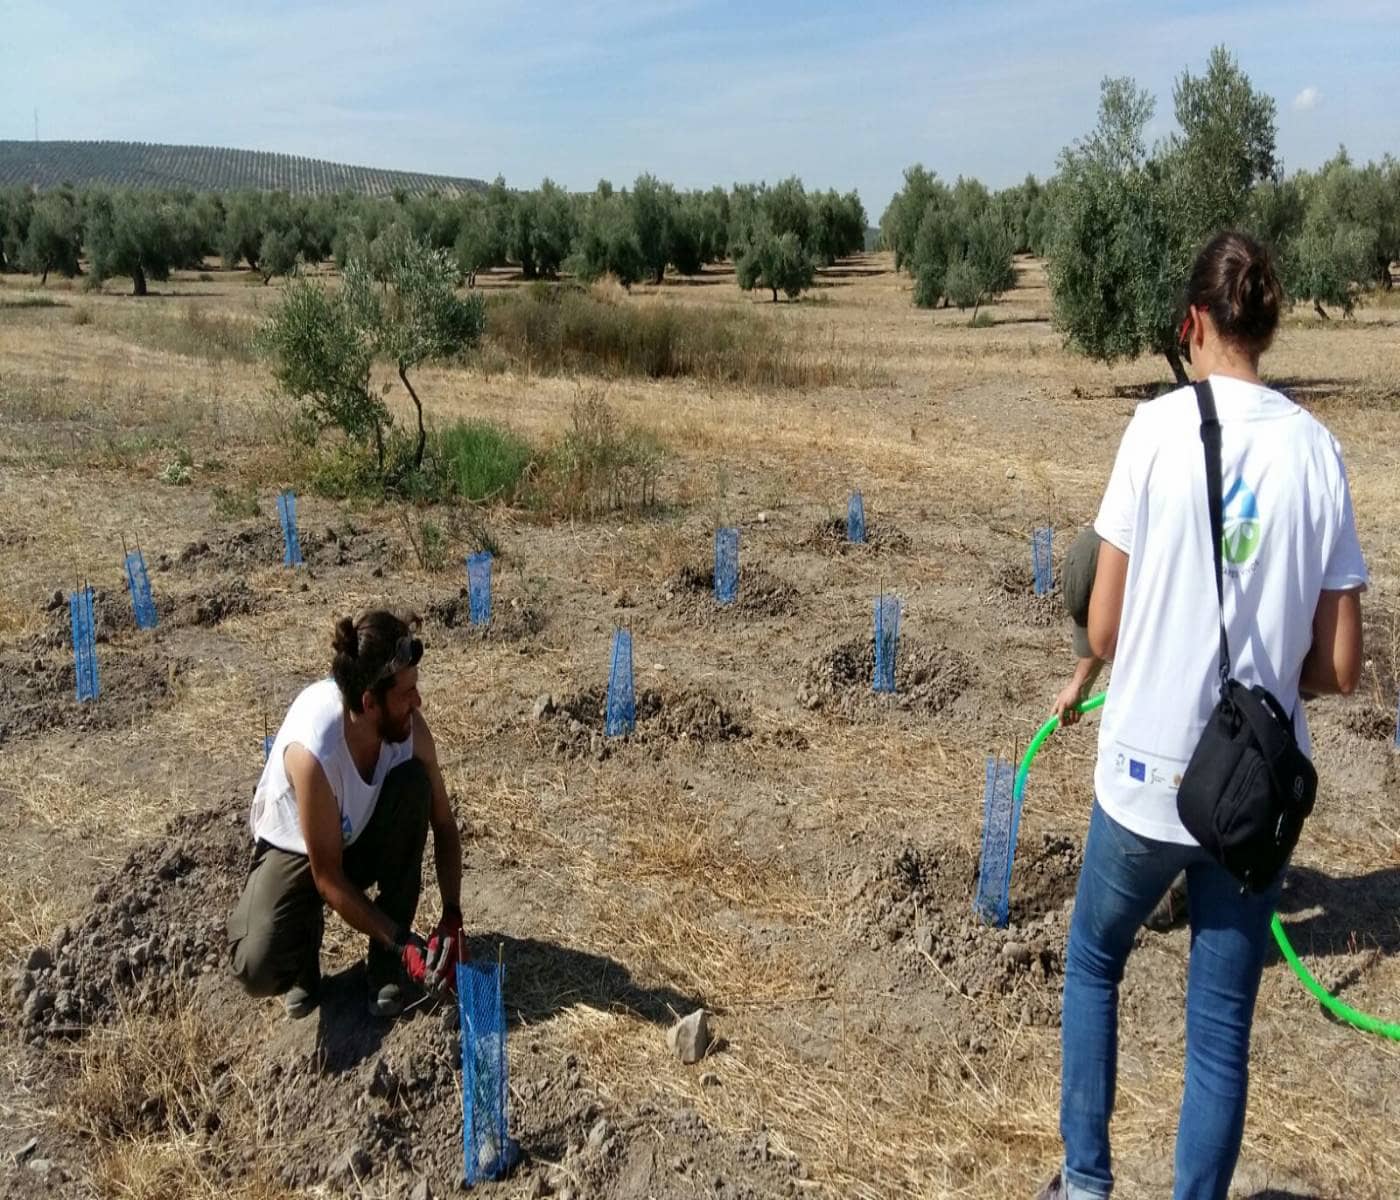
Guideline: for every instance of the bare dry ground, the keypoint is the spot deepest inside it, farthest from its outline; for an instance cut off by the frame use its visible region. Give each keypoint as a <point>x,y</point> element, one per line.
<point>776,845</point>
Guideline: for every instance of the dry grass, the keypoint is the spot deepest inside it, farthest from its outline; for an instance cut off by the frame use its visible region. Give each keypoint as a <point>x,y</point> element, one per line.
<point>144,1092</point>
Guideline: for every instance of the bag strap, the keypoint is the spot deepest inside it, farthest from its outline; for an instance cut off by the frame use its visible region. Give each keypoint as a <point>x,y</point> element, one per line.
<point>1210,438</point>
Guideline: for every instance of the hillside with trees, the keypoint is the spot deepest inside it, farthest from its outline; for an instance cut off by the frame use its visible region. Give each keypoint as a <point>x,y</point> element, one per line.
<point>151,166</point>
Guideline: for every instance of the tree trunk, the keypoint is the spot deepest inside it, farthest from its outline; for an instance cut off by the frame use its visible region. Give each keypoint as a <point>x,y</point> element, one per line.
<point>44,278</point>
<point>138,281</point>
<point>422,433</point>
<point>1173,356</point>
<point>379,446</point>
<point>775,295</point>
<point>1321,312</point>
<point>659,277</point>
<point>976,305</point>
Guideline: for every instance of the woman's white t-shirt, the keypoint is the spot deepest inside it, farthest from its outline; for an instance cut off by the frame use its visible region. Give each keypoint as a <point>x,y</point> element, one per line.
<point>316,721</point>
<point>1289,534</point>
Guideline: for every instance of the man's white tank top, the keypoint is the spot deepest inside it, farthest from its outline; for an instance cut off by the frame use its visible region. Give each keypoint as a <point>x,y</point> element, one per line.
<point>316,721</point>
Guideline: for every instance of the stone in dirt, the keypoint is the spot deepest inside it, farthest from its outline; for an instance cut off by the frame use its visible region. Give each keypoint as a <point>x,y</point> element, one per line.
<point>544,705</point>
<point>352,1166</point>
<point>689,1038</point>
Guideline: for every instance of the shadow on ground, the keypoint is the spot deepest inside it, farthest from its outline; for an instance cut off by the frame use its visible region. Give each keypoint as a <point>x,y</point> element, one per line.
<point>542,979</point>
<point>1361,912</point>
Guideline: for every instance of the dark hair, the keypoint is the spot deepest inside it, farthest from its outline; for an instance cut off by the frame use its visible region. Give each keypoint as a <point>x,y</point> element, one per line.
<point>1235,281</point>
<point>362,648</point>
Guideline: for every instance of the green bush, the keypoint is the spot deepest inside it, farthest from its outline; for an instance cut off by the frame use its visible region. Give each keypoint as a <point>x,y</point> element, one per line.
<point>482,461</point>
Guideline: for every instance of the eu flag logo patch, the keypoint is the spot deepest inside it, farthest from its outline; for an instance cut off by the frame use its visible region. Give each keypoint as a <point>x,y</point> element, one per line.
<point>1137,770</point>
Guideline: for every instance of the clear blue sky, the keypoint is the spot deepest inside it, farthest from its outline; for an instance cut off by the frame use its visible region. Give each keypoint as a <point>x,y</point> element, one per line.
<point>844,95</point>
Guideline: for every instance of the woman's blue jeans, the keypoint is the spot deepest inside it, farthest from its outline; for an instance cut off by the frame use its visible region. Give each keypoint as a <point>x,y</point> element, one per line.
<point>1123,877</point>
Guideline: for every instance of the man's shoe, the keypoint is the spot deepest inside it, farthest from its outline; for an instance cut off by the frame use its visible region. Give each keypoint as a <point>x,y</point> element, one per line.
<point>1171,910</point>
<point>385,1000</point>
<point>1054,1190</point>
<point>303,996</point>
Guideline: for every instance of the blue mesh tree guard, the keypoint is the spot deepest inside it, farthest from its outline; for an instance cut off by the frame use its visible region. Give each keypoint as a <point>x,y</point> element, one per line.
<point>1001,815</point>
<point>621,717</point>
<point>726,565</point>
<point>479,587</point>
<point>287,514</point>
<point>855,518</point>
<point>886,642</point>
<point>1041,540</point>
<point>84,644</point>
<point>138,583</point>
<point>487,1150</point>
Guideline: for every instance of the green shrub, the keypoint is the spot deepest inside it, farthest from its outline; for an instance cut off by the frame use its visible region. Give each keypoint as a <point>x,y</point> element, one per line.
<point>179,470</point>
<point>482,461</point>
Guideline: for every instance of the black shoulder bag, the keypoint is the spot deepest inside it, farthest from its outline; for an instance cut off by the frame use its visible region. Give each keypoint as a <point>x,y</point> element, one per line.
<point>1248,787</point>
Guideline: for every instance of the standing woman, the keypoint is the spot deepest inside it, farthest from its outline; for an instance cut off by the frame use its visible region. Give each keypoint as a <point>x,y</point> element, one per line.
<point>1292,583</point>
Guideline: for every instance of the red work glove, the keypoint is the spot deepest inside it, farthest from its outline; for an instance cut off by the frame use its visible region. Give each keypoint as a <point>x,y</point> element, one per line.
<point>414,954</point>
<point>445,947</point>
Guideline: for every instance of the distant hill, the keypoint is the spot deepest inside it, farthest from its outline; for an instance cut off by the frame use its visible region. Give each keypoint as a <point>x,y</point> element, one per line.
<point>204,169</point>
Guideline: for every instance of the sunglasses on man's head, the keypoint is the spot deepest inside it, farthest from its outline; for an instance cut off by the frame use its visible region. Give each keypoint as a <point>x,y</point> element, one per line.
<point>406,654</point>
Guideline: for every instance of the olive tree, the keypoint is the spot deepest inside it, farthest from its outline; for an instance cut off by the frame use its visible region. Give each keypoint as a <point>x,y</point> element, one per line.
<point>139,235</point>
<point>323,343</point>
<point>1127,221</point>
<point>415,316</point>
<point>607,242</point>
<point>778,262</point>
<point>53,240</point>
<point>322,356</point>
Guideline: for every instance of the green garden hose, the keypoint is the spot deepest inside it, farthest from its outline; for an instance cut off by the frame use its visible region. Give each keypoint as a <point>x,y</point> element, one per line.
<point>1343,1012</point>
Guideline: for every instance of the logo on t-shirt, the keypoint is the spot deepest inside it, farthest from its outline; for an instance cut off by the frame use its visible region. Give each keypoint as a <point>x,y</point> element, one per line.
<point>1240,539</point>
<point>346,829</point>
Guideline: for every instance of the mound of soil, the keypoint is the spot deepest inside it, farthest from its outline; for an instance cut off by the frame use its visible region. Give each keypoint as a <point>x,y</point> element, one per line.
<point>1012,594</point>
<point>918,902</point>
<point>1371,721</point>
<point>829,537</point>
<point>341,1098</point>
<point>156,923</point>
<point>37,691</point>
<point>927,679</point>
<point>692,593</point>
<point>262,546</point>
<point>511,621</point>
<point>112,614</point>
<point>575,724</point>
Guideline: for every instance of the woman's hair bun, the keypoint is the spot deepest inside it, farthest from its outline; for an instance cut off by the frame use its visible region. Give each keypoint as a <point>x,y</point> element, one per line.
<point>1234,278</point>
<point>345,640</point>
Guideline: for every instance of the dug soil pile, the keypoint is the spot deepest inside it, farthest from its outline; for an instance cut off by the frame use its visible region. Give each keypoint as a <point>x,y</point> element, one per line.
<point>575,725</point>
<point>917,903</point>
<point>691,592</point>
<point>927,680</point>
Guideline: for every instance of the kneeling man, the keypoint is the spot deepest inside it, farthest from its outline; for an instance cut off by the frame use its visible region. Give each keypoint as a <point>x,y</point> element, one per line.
<point>345,801</point>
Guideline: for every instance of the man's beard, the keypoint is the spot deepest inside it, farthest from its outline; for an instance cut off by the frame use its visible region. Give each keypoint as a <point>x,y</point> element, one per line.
<point>389,731</point>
